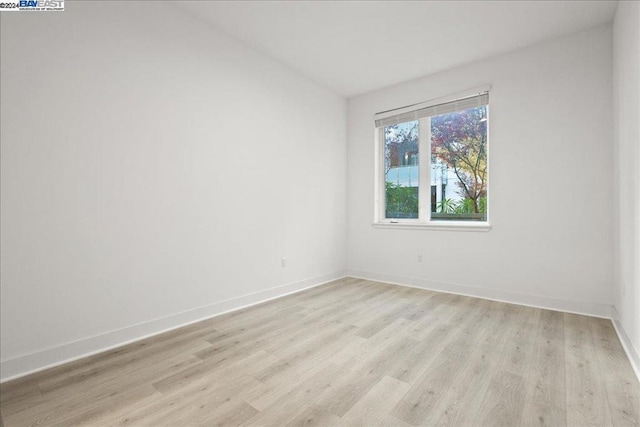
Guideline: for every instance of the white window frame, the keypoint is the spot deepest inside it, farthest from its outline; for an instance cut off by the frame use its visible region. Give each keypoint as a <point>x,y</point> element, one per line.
<point>424,221</point>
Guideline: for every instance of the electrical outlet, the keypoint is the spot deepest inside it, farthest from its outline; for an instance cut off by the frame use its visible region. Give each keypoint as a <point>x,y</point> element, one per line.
<point>283,262</point>
<point>419,257</point>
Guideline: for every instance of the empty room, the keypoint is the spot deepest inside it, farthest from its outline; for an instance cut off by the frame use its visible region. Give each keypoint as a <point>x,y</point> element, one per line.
<point>319,213</point>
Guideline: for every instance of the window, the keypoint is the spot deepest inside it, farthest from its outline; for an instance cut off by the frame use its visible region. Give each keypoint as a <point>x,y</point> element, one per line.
<point>432,163</point>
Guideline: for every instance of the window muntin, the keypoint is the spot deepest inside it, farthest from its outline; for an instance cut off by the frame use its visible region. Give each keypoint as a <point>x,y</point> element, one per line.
<point>448,185</point>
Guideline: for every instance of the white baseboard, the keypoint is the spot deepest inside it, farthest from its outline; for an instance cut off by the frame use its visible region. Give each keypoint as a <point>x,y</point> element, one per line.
<point>628,347</point>
<point>44,359</point>
<point>577,307</point>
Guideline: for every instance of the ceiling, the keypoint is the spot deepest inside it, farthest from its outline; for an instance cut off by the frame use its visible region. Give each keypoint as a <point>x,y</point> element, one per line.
<point>354,47</point>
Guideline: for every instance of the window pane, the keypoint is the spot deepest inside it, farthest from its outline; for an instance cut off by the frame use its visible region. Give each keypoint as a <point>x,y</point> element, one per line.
<point>401,170</point>
<point>459,165</point>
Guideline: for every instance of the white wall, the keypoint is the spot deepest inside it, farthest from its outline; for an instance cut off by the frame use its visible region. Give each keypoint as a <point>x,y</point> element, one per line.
<point>626,129</point>
<point>154,170</point>
<point>550,182</point>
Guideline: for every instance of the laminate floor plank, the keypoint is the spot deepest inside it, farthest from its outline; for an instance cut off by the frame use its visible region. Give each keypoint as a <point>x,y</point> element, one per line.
<point>180,404</point>
<point>504,399</point>
<point>366,369</point>
<point>314,417</point>
<point>105,409</point>
<point>128,369</point>
<point>266,395</point>
<point>460,403</point>
<point>503,402</point>
<point>587,401</point>
<point>313,348</point>
<point>432,335</point>
<point>267,315</point>
<point>232,413</point>
<point>206,373</point>
<point>296,367</point>
<point>520,346</point>
<point>349,352</point>
<point>621,389</point>
<point>546,388</point>
<point>108,414</point>
<point>244,340</point>
<point>383,317</point>
<point>419,401</point>
<point>378,346</point>
<point>20,395</point>
<point>287,408</point>
<point>64,401</point>
<point>373,407</point>
<point>19,389</point>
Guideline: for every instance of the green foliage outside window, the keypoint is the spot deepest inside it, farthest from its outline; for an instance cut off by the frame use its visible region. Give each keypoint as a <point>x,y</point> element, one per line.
<point>464,206</point>
<point>402,202</point>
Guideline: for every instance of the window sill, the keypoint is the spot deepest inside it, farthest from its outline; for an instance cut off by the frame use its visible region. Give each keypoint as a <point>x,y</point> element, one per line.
<point>434,225</point>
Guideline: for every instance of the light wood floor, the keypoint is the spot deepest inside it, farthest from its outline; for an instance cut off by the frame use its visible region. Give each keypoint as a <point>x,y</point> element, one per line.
<point>351,352</point>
